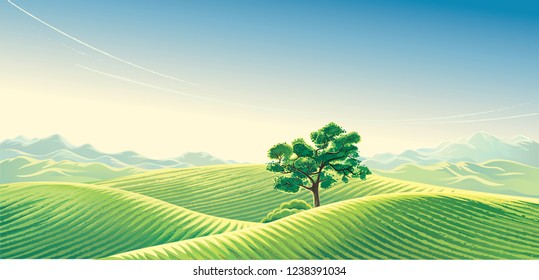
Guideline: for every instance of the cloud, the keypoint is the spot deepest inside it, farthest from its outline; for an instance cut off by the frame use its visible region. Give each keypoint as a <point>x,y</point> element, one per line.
<point>99,50</point>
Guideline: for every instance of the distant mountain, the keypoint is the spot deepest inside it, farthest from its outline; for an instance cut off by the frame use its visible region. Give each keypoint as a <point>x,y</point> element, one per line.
<point>495,176</point>
<point>477,148</point>
<point>25,169</point>
<point>202,159</point>
<point>55,147</point>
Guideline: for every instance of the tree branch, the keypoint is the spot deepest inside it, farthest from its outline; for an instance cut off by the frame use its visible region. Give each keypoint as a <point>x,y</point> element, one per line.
<point>301,171</point>
<point>341,170</point>
<point>334,153</point>
<point>345,156</point>
<point>317,150</point>
<point>319,173</point>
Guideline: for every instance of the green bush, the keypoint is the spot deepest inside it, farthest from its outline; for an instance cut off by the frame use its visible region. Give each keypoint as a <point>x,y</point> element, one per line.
<point>286,209</point>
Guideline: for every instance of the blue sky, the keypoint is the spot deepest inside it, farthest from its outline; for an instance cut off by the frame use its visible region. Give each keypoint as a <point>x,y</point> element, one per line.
<point>269,71</point>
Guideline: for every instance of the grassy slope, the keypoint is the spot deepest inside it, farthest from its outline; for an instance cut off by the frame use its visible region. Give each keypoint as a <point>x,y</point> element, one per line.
<point>26,169</point>
<point>244,192</point>
<point>393,226</point>
<point>496,176</point>
<point>55,220</point>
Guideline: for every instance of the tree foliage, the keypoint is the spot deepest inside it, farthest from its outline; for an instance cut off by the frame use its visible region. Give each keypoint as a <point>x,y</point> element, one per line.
<point>332,156</point>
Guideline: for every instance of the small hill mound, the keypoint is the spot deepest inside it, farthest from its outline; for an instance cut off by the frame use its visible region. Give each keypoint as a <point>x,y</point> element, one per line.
<point>46,220</point>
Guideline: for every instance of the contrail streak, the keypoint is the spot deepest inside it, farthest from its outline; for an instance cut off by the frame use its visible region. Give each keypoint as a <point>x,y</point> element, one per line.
<point>150,85</point>
<point>185,93</point>
<point>456,116</point>
<point>484,120</point>
<point>99,50</point>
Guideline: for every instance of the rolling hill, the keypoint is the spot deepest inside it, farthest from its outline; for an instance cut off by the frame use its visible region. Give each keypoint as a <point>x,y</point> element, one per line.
<point>392,226</point>
<point>495,176</point>
<point>244,192</point>
<point>59,220</point>
<point>25,169</point>
<point>134,217</point>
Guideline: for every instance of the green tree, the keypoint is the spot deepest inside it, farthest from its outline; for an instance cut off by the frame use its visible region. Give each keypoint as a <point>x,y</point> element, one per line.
<point>333,157</point>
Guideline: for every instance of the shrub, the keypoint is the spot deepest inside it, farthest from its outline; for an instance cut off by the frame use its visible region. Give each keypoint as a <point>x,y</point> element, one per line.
<point>286,209</point>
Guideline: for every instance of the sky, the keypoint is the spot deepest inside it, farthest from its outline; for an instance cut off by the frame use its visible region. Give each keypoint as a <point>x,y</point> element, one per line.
<point>232,78</point>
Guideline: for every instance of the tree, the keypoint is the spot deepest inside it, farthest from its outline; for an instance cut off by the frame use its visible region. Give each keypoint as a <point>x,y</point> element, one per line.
<point>333,157</point>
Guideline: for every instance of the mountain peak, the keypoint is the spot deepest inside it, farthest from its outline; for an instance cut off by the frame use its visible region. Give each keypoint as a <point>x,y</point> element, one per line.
<point>520,139</point>
<point>481,138</point>
<point>58,148</point>
<point>21,138</point>
<point>54,137</point>
<point>477,148</point>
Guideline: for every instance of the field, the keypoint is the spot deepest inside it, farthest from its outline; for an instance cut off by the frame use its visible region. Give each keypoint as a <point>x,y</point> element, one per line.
<point>40,220</point>
<point>244,192</point>
<point>395,226</point>
<point>213,213</point>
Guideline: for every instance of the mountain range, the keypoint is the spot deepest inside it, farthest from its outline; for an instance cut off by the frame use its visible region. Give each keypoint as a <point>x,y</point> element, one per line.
<point>25,169</point>
<point>493,176</point>
<point>481,162</point>
<point>478,148</point>
<point>57,148</point>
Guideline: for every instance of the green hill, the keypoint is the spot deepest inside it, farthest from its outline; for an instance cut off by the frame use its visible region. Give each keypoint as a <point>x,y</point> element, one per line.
<point>495,176</point>
<point>393,226</point>
<point>26,169</point>
<point>244,192</point>
<point>55,220</point>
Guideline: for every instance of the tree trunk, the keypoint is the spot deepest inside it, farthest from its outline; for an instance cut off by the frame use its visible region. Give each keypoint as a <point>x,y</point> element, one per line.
<point>316,195</point>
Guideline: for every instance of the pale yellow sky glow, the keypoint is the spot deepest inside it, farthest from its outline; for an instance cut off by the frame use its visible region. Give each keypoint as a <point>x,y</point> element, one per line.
<point>162,129</point>
<point>246,95</point>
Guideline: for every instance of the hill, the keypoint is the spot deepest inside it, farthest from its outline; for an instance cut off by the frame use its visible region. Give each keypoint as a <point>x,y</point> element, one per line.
<point>39,220</point>
<point>244,192</point>
<point>394,226</point>
<point>25,169</point>
<point>479,147</point>
<point>496,176</point>
<point>56,147</point>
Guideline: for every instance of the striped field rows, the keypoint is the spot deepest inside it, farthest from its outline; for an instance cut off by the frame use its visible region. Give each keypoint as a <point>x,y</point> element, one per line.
<point>244,192</point>
<point>393,226</point>
<point>203,213</point>
<point>59,220</point>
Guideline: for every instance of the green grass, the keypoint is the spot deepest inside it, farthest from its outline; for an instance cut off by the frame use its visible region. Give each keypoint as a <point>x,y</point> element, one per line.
<point>58,220</point>
<point>244,192</point>
<point>393,226</point>
<point>145,216</point>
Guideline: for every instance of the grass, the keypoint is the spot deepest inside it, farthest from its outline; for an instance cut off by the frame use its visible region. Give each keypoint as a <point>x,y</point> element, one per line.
<point>392,226</point>
<point>146,216</point>
<point>59,220</point>
<point>244,192</point>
